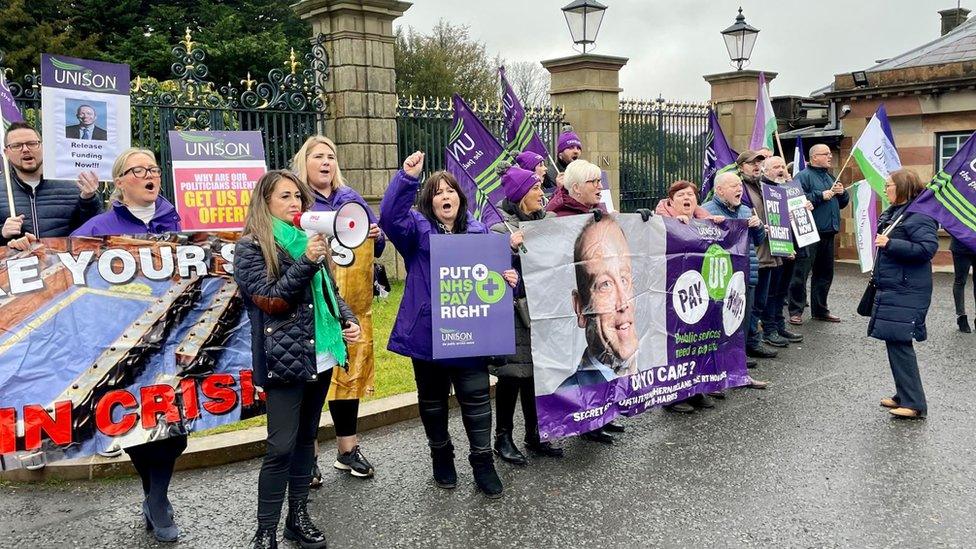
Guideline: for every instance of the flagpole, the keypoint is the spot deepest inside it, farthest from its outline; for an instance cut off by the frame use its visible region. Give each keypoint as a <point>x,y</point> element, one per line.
<point>3,153</point>
<point>779,144</point>
<point>842,168</point>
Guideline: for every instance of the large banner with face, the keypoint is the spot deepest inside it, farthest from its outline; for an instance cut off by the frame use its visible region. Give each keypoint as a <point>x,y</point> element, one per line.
<point>86,116</point>
<point>214,174</point>
<point>628,314</point>
<point>112,342</point>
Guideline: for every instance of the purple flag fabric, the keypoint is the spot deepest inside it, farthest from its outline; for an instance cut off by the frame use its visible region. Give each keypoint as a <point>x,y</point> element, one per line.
<point>472,155</point>
<point>519,130</point>
<point>719,156</point>
<point>8,107</point>
<point>950,198</point>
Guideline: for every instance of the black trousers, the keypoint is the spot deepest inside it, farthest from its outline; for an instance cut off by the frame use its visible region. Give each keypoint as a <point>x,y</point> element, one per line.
<point>434,381</point>
<point>293,421</point>
<point>819,266</point>
<point>961,264</point>
<point>154,461</point>
<point>779,287</point>
<point>507,393</point>
<point>908,382</point>
<point>345,416</point>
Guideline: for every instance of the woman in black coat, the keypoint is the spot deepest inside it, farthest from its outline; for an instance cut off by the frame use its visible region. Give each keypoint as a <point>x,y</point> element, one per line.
<point>299,329</point>
<point>903,277</point>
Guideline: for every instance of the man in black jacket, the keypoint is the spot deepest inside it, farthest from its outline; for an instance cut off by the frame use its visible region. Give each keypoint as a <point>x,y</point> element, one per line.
<point>828,197</point>
<point>44,208</point>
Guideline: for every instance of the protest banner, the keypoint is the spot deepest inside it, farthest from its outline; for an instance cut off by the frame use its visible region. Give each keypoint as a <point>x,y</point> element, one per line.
<point>780,237</point>
<point>473,313</point>
<point>355,282</point>
<point>117,341</point>
<point>801,219</point>
<point>86,116</point>
<point>629,314</point>
<point>214,174</point>
<point>865,211</point>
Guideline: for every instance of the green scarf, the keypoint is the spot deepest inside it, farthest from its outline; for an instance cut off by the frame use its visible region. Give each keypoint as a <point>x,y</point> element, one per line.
<point>328,332</point>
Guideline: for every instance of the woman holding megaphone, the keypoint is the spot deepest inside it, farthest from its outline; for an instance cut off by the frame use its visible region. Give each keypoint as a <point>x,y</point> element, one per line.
<point>299,330</point>
<point>316,163</point>
<point>441,210</point>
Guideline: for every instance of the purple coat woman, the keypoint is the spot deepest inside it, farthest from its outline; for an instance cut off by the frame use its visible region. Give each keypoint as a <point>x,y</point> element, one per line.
<point>119,219</point>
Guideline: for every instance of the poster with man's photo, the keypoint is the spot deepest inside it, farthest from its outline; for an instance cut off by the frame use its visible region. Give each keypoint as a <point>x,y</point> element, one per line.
<point>86,116</point>
<point>629,314</point>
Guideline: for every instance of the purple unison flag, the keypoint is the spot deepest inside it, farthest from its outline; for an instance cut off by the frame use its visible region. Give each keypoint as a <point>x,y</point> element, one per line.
<point>719,156</point>
<point>519,130</point>
<point>471,304</point>
<point>472,155</point>
<point>950,198</point>
<point>8,107</point>
<point>799,160</point>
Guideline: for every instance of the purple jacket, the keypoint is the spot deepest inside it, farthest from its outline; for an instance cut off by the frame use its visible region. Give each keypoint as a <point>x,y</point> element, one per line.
<point>119,220</point>
<point>410,232</point>
<point>344,195</point>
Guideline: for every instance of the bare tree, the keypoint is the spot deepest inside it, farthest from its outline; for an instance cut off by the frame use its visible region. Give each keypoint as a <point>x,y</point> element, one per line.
<point>530,82</point>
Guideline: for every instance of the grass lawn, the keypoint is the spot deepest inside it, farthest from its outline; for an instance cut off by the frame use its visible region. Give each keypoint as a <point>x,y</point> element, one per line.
<point>394,374</point>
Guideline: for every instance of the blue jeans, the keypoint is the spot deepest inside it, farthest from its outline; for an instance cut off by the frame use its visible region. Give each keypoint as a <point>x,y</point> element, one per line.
<point>779,286</point>
<point>758,306</point>
<point>747,321</point>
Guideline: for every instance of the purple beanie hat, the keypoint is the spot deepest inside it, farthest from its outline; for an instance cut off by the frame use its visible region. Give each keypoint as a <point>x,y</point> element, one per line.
<point>528,160</point>
<point>516,182</point>
<point>567,140</point>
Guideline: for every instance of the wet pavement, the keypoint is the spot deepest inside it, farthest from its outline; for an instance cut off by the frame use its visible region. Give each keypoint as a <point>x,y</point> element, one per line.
<point>812,462</point>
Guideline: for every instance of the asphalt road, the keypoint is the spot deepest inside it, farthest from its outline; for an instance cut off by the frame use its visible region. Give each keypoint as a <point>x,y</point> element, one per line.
<point>812,462</point>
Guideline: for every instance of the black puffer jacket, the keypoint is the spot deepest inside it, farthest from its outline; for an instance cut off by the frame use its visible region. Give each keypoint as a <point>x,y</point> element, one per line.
<point>55,209</point>
<point>282,319</point>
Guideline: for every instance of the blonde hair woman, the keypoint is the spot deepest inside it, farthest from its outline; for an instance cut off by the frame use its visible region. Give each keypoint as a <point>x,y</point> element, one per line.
<point>299,330</point>
<point>137,207</point>
<point>317,164</point>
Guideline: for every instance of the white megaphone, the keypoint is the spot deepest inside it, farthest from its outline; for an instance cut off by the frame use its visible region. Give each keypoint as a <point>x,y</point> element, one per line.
<point>349,225</point>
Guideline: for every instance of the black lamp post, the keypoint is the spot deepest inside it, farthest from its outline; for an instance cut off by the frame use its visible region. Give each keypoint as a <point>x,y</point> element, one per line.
<point>584,18</point>
<point>740,38</point>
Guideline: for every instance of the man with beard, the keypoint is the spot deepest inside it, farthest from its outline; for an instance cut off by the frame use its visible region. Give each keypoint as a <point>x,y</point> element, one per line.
<point>748,163</point>
<point>828,197</point>
<point>604,303</point>
<point>727,201</point>
<point>774,172</point>
<point>44,208</point>
<point>569,148</point>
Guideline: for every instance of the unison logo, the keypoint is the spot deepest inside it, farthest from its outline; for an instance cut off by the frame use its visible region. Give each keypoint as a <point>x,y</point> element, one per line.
<point>77,75</point>
<point>708,232</point>
<point>201,145</point>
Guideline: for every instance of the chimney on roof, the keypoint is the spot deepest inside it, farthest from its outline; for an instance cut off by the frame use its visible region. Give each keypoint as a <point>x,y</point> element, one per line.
<point>952,18</point>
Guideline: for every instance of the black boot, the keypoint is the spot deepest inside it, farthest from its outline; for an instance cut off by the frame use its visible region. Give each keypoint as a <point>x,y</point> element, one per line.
<point>265,538</point>
<point>506,449</point>
<point>485,475</point>
<point>445,475</point>
<point>299,527</point>
<point>536,445</point>
<point>963,323</point>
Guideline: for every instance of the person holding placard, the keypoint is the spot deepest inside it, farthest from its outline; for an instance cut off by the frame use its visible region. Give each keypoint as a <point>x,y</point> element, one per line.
<point>137,207</point>
<point>316,163</point>
<point>441,209</point>
<point>299,330</point>
<point>43,208</point>
<point>775,172</point>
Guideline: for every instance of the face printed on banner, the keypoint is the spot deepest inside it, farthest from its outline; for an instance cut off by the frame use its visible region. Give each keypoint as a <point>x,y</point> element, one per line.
<point>728,187</point>
<point>24,150</point>
<point>774,168</point>
<point>140,181</point>
<point>570,154</point>
<point>286,200</point>
<point>532,201</point>
<point>86,115</point>
<point>446,203</point>
<point>321,167</point>
<point>604,298</point>
<point>685,201</point>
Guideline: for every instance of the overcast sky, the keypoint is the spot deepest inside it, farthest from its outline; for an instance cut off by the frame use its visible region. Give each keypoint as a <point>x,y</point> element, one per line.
<point>672,43</point>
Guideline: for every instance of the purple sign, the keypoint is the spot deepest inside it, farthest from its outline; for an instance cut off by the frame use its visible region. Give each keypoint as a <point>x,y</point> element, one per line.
<point>472,311</point>
<point>778,220</point>
<point>190,146</point>
<point>629,314</point>
<point>87,75</point>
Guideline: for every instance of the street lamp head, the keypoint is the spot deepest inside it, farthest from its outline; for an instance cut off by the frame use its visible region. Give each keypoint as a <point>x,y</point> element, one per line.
<point>584,18</point>
<point>740,38</point>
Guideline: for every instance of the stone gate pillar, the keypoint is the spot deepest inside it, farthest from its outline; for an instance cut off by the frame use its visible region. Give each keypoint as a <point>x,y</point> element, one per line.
<point>734,95</point>
<point>361,88</point>
<point>588,88</point>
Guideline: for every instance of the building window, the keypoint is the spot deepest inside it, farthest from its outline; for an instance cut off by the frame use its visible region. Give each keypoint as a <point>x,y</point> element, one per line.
<point>948,144</point>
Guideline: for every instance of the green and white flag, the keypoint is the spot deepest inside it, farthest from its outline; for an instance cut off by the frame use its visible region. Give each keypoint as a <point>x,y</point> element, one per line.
<point>875,153</point>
